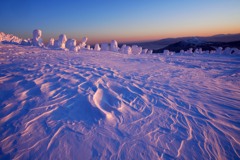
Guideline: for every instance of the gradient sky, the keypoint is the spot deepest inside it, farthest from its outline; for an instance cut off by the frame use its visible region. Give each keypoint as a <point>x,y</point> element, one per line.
<point>123,20</point>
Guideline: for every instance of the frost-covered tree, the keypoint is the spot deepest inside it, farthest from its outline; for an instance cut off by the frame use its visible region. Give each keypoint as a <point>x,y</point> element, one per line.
<point>37,40</point>
<point>235,51</point>
<point>97,47</point>
<point>122,50</point>
<point>136,49</point>
<point>51,43</point>
<point>196,51</point>
<point>26,42</point>
<point>182,51</point>
<point>150,51</point>
<point>114,46</point>
<point>167,52</point>
<point>144,51</point>
<point>61,42</point>
<point>219,50</point>
<point>71,45</point>
<point>229,50</point>
<point>128,50</point>
<point>190,51</point>
<point>104,47</point>
<point>88,47</point>
<point>84,42</point>
<point>212,52</point>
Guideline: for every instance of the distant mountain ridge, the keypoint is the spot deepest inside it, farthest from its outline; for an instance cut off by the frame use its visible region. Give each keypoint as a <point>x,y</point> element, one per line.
<point>159,44</point>
<point>186,44</point>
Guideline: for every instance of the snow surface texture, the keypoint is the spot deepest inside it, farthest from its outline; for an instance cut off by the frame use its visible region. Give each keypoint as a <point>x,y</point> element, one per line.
<point>106,105</point>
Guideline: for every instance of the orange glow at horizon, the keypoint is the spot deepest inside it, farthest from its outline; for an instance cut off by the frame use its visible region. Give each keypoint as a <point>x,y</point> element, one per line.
<point>158,36</point>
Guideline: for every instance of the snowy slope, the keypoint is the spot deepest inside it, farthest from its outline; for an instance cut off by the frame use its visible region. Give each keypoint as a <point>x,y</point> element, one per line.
<point>106,105</point>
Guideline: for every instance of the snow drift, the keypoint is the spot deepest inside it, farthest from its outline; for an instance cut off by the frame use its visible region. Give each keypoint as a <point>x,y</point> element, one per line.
<point>102,105</point>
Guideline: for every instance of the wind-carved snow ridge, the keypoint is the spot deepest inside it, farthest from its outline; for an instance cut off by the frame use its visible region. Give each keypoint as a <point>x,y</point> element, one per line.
<point>103,105</point>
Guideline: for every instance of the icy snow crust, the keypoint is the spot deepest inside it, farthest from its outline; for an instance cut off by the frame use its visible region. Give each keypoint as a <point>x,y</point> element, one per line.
<point>106,105</point>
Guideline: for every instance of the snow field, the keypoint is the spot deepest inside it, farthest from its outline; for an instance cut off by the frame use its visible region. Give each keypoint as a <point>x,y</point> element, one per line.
<point>106,105</point>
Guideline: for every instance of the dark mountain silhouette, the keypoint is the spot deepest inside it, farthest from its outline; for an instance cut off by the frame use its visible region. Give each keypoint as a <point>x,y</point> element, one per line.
<point>159,44</point>
<point>194,44</point>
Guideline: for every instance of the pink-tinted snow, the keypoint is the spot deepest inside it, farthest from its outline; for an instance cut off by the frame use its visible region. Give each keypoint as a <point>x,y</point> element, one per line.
<point>108,105</point>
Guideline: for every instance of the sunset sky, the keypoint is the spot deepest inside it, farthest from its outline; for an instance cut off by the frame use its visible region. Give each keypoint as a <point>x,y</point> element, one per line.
<point>123,20</point>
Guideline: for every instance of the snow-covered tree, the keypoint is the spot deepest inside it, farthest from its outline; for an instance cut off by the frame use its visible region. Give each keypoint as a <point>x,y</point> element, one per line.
<point>182,51</point>
<point>26,42</point>
<point>61,42</point>
<point>71,45</point>
<point>128,50</point>
<point>51,43</point>
<point>150,51</point>
<point>190,51</point>
<point>88,47</point>
<point>167,52</point>
<point>104,47</point>
<point>219,50</point>
<point>114,46</point>
<point>136,49</point>
<point>144,51</point>
<point>84,42</point>
<point>97,47</point>
<point>37,40</point>
<point>122,50</point>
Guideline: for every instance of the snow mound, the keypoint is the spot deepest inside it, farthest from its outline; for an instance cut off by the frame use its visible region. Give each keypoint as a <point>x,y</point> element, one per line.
<point>106,102</point>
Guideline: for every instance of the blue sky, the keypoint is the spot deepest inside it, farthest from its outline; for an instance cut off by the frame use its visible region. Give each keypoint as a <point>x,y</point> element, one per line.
<point>123,20</point>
